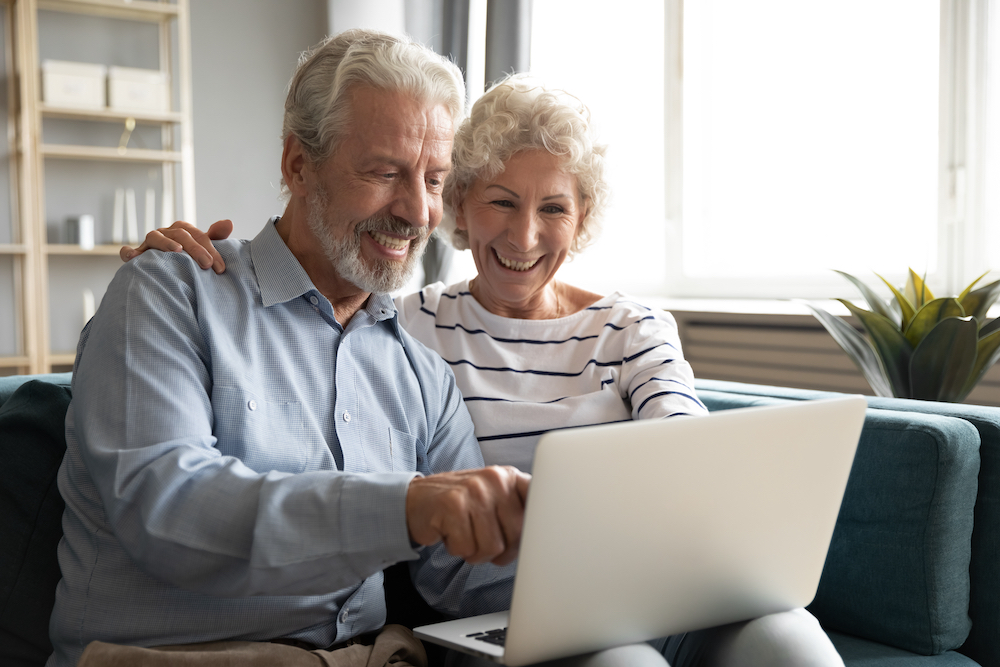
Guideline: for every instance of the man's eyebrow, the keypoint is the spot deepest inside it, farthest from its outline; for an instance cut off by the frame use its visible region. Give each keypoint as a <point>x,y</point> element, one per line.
<point>400,163</point>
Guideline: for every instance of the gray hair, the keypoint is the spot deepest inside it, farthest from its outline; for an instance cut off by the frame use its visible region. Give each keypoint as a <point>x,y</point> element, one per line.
<point>317,109</point>
<point>516,114</point>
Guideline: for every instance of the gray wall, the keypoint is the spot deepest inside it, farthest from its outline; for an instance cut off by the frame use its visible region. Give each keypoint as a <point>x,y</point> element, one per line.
<point>243,54</point>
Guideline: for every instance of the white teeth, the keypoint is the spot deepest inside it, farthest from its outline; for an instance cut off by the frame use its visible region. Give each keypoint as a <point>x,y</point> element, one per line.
<point>515,266</point>
<point>390,242</point>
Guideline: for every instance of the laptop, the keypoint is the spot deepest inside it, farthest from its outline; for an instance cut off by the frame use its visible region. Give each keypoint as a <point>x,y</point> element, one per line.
<point>645,529</point>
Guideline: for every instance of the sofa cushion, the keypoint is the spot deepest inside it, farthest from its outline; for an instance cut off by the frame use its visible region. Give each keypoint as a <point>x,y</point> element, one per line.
<point>31,448</point>
<point>898,567</point>
<point>862,653</point>
<point>722,400</point>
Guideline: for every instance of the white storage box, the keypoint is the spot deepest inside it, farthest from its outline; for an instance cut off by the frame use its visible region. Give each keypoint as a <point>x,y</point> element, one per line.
<point>77,85</point>
<point>131,89</point>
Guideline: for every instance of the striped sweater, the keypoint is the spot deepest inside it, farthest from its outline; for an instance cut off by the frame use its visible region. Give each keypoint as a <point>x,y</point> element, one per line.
<point>613,361</point>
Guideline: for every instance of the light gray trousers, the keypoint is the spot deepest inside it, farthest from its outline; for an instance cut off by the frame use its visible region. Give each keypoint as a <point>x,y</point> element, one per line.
<point>789,639</point>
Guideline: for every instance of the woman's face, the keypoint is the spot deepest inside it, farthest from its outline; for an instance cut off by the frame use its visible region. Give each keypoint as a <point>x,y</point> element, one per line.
<point>521,226</point>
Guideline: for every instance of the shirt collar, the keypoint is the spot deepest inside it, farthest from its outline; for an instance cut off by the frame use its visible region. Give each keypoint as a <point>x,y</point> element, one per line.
<point>281,278</point>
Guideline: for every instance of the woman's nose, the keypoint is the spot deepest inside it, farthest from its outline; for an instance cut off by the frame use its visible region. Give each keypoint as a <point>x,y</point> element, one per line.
<point>523,231</point>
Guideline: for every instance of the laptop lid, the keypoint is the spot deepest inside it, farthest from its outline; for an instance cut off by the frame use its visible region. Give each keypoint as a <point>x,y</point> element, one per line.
<point>650,528</point>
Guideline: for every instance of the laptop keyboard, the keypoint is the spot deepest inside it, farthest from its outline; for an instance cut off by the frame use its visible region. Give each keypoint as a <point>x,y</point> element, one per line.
<point>497,636</point>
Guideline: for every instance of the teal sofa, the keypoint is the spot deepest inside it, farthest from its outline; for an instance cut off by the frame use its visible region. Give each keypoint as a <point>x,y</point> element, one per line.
<point>913,572</point>
<point>912,577</point>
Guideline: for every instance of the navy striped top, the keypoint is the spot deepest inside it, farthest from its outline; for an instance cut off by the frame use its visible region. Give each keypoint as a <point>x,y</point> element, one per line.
<point>613,361</point>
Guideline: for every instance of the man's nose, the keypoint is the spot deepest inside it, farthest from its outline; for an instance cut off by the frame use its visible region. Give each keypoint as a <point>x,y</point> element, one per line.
<point>414,204</point>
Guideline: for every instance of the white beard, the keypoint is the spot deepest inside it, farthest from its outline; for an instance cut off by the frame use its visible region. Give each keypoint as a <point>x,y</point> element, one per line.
<point>345,254</point>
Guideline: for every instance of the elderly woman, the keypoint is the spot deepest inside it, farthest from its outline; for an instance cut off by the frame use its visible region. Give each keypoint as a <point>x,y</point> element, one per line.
<point>531,353</point>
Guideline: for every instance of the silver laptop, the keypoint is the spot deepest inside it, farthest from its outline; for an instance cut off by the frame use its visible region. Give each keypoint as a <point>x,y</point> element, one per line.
<point>645,529</point>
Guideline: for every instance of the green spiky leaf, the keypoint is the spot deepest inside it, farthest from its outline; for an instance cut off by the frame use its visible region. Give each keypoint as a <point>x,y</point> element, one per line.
<point>987,329</point>
<point>891,345</point>
<point>873,300</point>
<point>916,290</point>
<point>969,287</point>
<point>857,348</point>
<point>940,366</point>
<point>978,302</point>
<point>906,309</point>
<point>929,315</point>
<point>987,353</point>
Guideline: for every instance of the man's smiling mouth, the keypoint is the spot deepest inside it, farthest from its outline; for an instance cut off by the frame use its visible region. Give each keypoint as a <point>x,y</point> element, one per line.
<point>389,241</point>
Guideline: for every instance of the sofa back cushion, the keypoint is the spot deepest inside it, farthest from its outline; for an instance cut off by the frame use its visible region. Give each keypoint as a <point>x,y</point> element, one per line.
<point>898,567</point>
<point>32,443</point>
<point>983,644</point>
<point>10,383</point>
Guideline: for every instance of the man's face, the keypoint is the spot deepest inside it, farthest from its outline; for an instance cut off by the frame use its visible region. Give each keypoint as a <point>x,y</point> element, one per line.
<point>374,203</point>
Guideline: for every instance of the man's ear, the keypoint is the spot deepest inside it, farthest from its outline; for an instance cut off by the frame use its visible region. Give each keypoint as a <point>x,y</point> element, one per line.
<point>294,165</point>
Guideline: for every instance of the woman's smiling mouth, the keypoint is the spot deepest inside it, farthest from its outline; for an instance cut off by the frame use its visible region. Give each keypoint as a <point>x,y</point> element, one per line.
<point>514,265</point>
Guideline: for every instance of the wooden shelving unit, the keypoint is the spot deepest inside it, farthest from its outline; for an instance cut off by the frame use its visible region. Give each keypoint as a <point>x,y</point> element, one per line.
<point>30,250</point>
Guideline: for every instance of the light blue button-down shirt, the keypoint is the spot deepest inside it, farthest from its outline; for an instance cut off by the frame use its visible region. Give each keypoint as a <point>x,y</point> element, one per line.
<point>238,461</point>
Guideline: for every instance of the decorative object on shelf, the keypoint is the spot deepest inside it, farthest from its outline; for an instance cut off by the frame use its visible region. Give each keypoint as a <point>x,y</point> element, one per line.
<point>118,220</point>
<point>134,89</point>
<point>75,85</point>
<point>149,224</point>
<point>80,230</point>
<point>126,135</point>
<point>919,346</point>
<point>131,219</point>
<point>88,305</point>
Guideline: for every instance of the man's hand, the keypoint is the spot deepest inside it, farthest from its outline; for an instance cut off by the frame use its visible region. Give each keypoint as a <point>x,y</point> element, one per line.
<point>185,236</point>
<point>477,513</point>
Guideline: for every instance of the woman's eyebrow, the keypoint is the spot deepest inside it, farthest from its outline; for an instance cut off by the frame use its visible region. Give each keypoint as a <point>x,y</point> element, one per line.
<point>507,190</point>
<point>517,196</point>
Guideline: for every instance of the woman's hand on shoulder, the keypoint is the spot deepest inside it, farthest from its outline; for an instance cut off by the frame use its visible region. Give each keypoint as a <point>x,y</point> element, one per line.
<point>185,237</point>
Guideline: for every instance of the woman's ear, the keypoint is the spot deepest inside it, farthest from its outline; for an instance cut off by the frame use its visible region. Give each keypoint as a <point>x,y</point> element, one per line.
<point>459,208</point>
<point>294,165</point>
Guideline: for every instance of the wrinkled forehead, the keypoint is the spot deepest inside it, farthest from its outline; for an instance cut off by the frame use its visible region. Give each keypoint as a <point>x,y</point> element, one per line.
<point>369,105</point>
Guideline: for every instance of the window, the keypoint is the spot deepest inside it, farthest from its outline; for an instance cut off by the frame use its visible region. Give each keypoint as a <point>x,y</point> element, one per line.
<point>755,146</point>
<point>991,160</point>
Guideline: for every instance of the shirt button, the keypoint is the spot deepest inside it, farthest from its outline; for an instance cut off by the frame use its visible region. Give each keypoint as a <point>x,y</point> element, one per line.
<point>347,416</point>
<point>313,300</point>
<point>343,616</point>
<point>252,404</point>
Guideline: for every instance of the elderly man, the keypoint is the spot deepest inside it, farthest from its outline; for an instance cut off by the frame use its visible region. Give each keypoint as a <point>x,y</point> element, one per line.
<point>247,452</point>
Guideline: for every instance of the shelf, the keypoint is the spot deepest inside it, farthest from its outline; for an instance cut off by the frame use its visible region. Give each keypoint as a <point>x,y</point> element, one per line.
<point>110,114</point>
<point>62,358</point>
<point>41,267</point>
<point>70,249</point>
<point>136,10</point>
<point>111,154</point>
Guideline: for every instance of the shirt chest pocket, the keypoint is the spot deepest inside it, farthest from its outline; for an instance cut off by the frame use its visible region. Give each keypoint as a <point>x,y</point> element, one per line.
<point>264,434</point>
<point>403,451</point>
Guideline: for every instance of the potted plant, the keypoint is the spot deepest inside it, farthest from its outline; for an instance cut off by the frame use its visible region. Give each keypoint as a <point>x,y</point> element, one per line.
<point>916,345</point>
